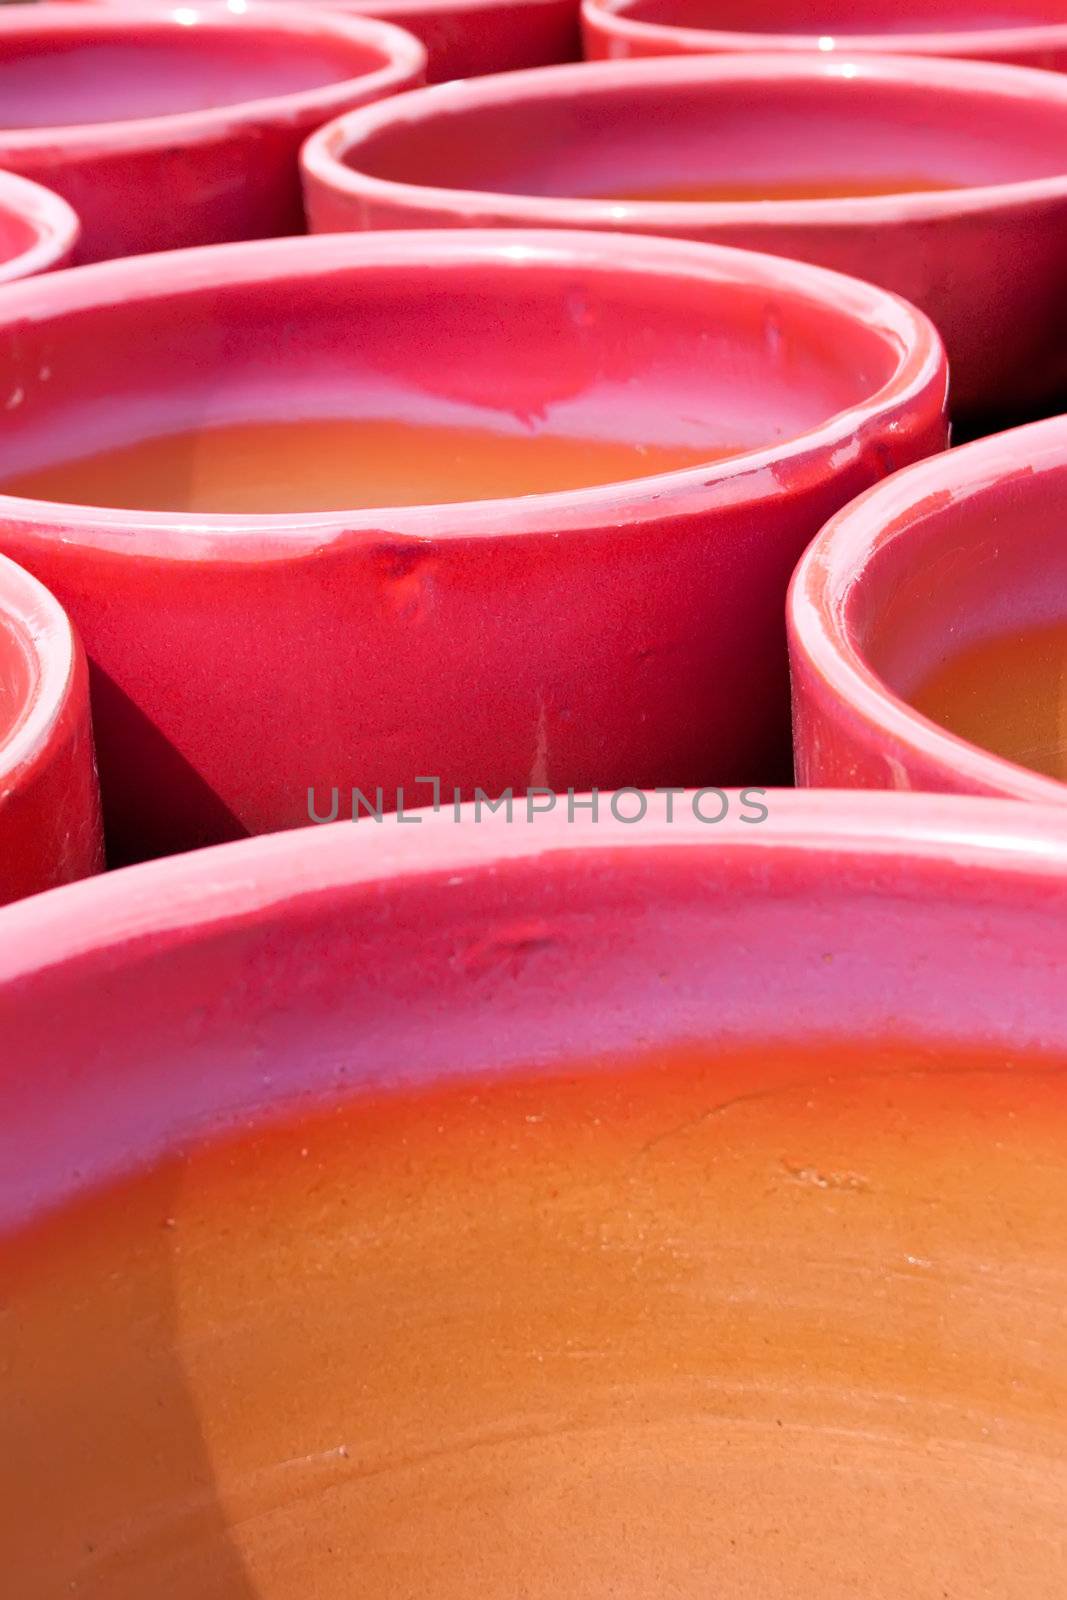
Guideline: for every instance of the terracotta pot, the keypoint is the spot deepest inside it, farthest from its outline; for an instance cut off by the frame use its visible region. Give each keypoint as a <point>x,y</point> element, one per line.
<point>1021,32</point>
<point>622,632</point>
<point>358,1185</point>
<point>50,829</point>
<point>970,548</point>
<point>38,230</point>
<point>466,37</point>
<point>182,127</point>
<point>986,262</point>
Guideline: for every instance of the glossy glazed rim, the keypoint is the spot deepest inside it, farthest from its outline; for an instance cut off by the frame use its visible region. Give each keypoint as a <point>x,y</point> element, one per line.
<point>403,58</point>
<point>446,8</point>
<point>330,147</point>
<point>422,8</point>
<point>54,222</point>
<point>833,569</point>
<point>386,9</point>
<point>36,619</point>
<point>181,899</point>
<point>778,469</point>
<point>609,18</point>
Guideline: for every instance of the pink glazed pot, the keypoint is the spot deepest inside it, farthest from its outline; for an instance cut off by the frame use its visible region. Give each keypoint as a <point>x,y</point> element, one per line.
<point>168,128</point>
<point>968,548</point>
<point>464,38</point>
<point>622,632</point>
<point>1026,33</point>
<point>566,146</point>
<point>38,230</point>
<point>831,1047</point>
<point>49,798</point>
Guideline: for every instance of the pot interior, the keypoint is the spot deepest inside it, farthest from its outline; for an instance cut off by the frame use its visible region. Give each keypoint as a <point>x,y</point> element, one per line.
<point>61,79</point>
<point>389,385</point>
<point>787,139</point>
<point>845,17</point>
<point>700,1220</point>
<point>963,614</point>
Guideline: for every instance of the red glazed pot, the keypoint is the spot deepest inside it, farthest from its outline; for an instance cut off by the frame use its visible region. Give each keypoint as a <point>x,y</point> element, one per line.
<point>182,127</point>
<point>833,1294</point>
<point>968,548</point>
<point>623,632</point>
<point>49,798</point>
<point>38,230</point>
<point>1026,33</point>
<point>986,262</point>
<point>466,37</point>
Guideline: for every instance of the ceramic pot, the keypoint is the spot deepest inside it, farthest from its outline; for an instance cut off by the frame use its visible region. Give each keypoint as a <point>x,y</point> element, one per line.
<point>324,1158</point>
<point>168,128</point>
<point>985,257</point>
<point>466,37</point>
<point>50,830</point>
<point>943,559</point>
<point>38,230</point>
<point>614,631</point>
<point>1021,32</point>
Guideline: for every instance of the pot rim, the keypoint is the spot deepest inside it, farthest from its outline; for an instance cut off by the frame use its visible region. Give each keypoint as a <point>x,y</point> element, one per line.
<point>834,566</point>
<point>186,897</point>
<point>444,8</point>
<point>327,149</point>
<point>920,371</point>
<point>47,637</point>
<point>404,58</point>
<point>961,43</point>
<point>384,9</point>
<point>55,223</point>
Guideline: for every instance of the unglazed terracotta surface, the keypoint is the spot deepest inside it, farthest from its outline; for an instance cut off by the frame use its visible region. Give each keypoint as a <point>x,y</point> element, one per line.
<point>269,468</point>
<point>926,627</point>
<point>1028,33</point>
<point>792,155</point>
<point>464,38</point>
<point>182,126</point>
<point>50,829</point>
<point>626,632</point>
<point>841,187</point>
<point>700,1319</point>
<point>587,1207</point>
<point>1007,694</point>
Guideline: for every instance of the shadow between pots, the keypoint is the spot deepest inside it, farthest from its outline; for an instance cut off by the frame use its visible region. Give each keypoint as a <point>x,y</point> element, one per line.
<point>968,429</point>
<point>180,795</point>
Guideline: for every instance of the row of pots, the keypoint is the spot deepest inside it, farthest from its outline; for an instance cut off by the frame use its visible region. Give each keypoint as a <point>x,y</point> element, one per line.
<point>320,654</point>
<point>1030,33</point>
<point>873,978</point>
<point>465,38</point>
<point>979,242</point>
<point>629,633</point>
